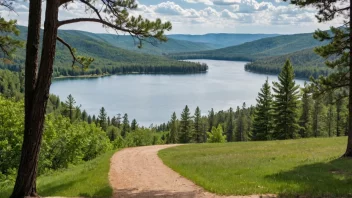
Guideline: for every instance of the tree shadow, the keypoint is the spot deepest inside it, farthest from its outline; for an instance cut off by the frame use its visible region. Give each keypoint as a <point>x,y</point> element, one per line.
<point>332,179</point>
<point>131,193</point>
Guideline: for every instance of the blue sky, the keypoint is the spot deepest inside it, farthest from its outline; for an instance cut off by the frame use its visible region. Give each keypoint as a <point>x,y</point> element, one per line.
<point>204,16</point>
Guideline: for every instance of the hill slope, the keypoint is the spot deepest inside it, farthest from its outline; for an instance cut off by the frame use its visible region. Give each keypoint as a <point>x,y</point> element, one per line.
<point>221,40</point>
<point>108,58</point>
<point>306,63</point>
<point>157,48</point>
<point>266,47</point>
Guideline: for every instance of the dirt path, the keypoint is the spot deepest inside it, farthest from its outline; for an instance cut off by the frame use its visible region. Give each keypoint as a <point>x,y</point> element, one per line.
<point>138,172</point>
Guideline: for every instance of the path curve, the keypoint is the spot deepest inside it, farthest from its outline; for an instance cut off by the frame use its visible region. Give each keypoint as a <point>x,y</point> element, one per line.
<point>139,172</point>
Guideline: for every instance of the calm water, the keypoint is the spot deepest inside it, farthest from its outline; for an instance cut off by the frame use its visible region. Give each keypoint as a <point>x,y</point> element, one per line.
<point>153,98</point>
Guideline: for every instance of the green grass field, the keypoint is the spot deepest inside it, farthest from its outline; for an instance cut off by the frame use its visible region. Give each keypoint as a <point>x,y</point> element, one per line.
<point>308,167</point>
<point>89,179</point>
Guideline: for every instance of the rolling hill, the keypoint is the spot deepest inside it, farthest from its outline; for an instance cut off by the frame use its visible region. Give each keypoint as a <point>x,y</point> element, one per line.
<point>221,40</point>
<point>108,58</point>
<point>249,51</point>
<point>156,48</point>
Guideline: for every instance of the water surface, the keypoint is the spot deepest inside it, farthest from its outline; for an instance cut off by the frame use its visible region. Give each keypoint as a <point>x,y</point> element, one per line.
<point>153,98</point>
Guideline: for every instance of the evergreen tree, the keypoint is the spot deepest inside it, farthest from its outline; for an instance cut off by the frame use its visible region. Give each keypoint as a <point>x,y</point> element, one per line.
<point>286,104</point>
<point>185,133</point>
<point>263,124</point>
<point>125,126</point>
<point>173,137</point>
<point>204,128</point>
<point>241,124</point>
<point>211,119</point>
<point>337,52</point>
<point>70,106</point>
<point>103,119</point>
<point>89,120</point>
<point>197,126</point>
<point>94,120</point>
<point>230,125</point>
<point>134,125</point>
<point>84,116</point>
<point>109,121</point>
<point>305,120</point>
<point>317,118</point>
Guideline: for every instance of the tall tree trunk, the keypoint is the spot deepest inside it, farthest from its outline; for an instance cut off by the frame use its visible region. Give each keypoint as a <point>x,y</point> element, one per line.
<point>25,181</point>
<point>349,141</point>
<point>36,99</point>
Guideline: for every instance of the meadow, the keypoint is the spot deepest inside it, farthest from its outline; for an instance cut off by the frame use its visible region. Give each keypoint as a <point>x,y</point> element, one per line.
<point>289,168</point>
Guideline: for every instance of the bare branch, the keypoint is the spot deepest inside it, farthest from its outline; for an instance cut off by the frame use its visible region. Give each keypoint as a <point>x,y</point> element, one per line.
<point>71,51</point>
<point>93,8</point>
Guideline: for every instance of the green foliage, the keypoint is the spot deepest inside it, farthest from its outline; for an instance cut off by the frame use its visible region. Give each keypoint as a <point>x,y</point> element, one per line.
<point>230,126</point>
<point>305,120</point>
<point>216,136</point>
<point>11,84</point>
<point>64,143</point>
<point>103,119</point>
<point>125,126</point>
<point>263,125</point>
<point>304,167</point>
<point>8,44</point>
<point>286,104</point>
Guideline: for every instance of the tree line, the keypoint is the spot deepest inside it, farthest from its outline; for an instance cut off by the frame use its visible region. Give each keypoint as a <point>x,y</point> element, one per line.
<point>283,111</point>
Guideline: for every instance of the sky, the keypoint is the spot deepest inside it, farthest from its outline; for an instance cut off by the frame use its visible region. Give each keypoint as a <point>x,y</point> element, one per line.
<point>201,16</point>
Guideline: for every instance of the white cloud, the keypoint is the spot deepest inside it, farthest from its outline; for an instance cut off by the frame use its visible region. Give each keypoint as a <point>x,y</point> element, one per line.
<point>206,2</point>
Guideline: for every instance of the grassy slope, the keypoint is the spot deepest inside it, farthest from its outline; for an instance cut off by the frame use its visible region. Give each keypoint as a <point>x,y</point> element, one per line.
<point>294,167</point>
<point>89,179</point>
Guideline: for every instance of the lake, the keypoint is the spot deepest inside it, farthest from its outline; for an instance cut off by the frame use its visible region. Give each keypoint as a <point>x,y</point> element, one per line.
<point>153,98</point>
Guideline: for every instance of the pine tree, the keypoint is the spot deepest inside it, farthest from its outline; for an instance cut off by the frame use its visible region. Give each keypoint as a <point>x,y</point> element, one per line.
<point>70,107</point>
<point>263,124</point>
<point>211,119</point>
<point>134,125</point>
<point>286,104</point>
<point>230,125</point>
<point>89,120</point>
<point>84,116</point>
<point>317,117</point>
<point>305,120</point>
<point>197,126</point>
<point>185,133</point>
<point>125,126</point>
<point>241,125</point>
<point>337,52</point>
<point>103,119</point>
<point>173,136</point>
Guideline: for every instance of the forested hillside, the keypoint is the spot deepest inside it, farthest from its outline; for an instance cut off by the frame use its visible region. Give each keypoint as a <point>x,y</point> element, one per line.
<point>306,63</point>
<point>151,47</point>
<point>107,58</point>
<point>221,40</point>
<point>256,49</point>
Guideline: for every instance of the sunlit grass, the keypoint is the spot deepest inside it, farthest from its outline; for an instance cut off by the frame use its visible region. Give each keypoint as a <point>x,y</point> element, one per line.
<point>89,179</point>
<point>309,167</point>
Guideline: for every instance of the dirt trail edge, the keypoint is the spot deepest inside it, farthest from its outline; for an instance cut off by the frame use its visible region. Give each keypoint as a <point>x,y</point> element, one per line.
<point>139,172</point>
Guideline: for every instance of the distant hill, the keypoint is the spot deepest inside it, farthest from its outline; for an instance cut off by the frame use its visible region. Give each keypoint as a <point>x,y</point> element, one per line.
<point>250,51</point>
<point>108,58</point>
<point>157,48</point>
<point>221,40</point>
<point>306,63</point>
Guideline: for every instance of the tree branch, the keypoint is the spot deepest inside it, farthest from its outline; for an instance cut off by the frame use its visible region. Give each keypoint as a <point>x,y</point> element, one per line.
<point>71,51</point>
<point>69,21</point>
<point>93,8</point>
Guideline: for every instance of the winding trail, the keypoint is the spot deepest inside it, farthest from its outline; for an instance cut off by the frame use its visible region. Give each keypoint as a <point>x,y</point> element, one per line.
<point>139,172</point>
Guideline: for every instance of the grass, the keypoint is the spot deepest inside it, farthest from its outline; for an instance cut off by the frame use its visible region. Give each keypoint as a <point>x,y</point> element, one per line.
<point>308,167</point>
<point>89,179</point>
